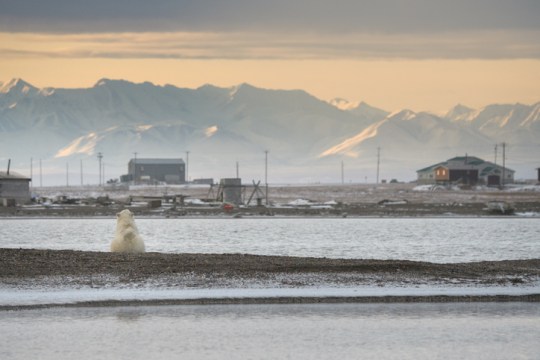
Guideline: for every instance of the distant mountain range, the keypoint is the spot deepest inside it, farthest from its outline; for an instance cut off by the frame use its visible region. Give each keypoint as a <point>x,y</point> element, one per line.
<point>307,138</point>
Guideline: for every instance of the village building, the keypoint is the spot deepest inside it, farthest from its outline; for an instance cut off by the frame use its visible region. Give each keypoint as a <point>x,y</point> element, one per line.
<point>152,171</point>
<point>466,170</point>
<point>14,189</point>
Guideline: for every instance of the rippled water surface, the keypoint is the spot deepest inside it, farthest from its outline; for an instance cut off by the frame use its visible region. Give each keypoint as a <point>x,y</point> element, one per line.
<point>427,239</point>
<point>324,331</point>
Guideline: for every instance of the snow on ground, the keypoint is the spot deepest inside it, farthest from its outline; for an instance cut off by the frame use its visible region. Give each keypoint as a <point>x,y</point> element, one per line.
<point>71,296</point>
<point>319,194</point>
<point>68,290</point>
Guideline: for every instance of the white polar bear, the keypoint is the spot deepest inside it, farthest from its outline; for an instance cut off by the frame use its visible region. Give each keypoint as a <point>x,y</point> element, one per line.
<point>127,237</point>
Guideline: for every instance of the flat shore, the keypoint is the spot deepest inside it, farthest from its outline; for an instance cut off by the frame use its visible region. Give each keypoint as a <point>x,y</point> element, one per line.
<point>24,269</point>
<point>391,200</point>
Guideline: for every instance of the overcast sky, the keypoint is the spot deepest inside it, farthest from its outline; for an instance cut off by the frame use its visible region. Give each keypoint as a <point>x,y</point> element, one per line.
<point>362,50</point>
<point>275,16</point>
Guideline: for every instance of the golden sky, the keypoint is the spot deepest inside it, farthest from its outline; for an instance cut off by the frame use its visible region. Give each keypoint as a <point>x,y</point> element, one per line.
<point>419,54</point>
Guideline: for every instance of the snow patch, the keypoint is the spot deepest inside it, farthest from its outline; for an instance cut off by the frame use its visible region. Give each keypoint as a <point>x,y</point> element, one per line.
<point>82,145</point>
<point>343,104</point>
<point>194,202</point>
<point>71,296</point>
<point>46,92</point>
<point>300,202</point>
<point>346,146</point>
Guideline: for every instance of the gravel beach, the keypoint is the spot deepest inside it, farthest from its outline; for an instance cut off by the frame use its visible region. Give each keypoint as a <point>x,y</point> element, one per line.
<point>45,269</point>
<point>33,270</point>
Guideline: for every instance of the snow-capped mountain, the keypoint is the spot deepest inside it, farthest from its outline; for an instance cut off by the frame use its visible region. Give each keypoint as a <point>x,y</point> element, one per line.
<point>307,138</point>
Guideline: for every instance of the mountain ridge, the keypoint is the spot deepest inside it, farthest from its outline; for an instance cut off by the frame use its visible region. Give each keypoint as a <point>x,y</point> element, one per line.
<point>306,136</point>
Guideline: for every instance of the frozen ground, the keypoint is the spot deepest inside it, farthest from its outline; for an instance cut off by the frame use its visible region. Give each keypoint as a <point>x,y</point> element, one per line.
<point>288,200</point>
<point>315,193</point>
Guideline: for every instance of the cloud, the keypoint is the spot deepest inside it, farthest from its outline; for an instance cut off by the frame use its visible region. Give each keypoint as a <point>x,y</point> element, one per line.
<point>278,29</point>
<point>239,46</point>
<point>313,16</point>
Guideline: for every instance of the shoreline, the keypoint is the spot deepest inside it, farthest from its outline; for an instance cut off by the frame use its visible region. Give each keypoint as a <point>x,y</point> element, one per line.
<point>96,278</point>
<point>535,298</point>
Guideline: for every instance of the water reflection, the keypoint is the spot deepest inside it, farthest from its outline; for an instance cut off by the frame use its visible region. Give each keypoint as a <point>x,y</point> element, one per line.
<point>321,331</point>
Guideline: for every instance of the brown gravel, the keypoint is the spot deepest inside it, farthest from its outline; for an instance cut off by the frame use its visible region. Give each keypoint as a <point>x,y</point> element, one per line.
<point>49,269</point>
<point>28,263</point>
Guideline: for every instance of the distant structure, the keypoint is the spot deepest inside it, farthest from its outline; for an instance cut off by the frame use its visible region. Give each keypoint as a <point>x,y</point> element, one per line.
<point>230,190</point>
<point>538,169</point>
<point>466,170</point>
<point>14,189</point>
<point>152,171</point>
<point>203,181</point>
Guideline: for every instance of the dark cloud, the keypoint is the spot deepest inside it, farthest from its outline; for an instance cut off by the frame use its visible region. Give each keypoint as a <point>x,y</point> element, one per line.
<point>314,16</point>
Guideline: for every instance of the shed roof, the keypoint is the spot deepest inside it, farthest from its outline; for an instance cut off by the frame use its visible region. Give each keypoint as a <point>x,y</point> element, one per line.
<point>465,160</point>
<point>155,161</point>
<point>12,176</point>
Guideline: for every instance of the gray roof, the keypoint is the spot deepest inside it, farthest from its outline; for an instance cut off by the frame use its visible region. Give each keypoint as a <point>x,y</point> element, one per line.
<point>466,160</point>
<point>12,176</point>
<point>157,161</point>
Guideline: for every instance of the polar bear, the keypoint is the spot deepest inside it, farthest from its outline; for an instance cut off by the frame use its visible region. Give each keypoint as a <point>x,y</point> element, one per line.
<point>127,237</point>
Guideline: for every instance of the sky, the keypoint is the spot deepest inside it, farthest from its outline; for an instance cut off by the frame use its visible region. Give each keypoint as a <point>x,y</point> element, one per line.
<point>392,54</point>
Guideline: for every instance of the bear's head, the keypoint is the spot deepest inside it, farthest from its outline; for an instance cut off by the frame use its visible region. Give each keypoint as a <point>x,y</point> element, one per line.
<point>124,216</point>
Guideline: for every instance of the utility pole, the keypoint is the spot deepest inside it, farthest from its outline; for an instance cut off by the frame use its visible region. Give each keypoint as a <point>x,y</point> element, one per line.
<point>266,173</point>
<point>237,171</point>
<point>187,166</point>
<point>67,174</point>
<point>378,162</point>
<point>342,173</point>
<point>135,168</point>
<point>82,182</point>
<point>99,156</point>
<point>31,172</point>
<point>495,154</point>
<point>503,162</point>
<point>40,174</point>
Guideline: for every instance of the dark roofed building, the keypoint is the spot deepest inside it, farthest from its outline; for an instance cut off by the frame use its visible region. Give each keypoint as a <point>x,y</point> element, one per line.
<point>15,187</point>
<point>467,170</point>
<point>170,171</point>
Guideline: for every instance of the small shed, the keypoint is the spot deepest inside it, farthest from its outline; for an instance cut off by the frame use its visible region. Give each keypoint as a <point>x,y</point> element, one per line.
<point>231,190</point>
<point>14,186</point>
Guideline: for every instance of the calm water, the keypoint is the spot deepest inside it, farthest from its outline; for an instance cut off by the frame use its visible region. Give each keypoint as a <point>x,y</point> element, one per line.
<point>346,331</point>
<point>431,239</point>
